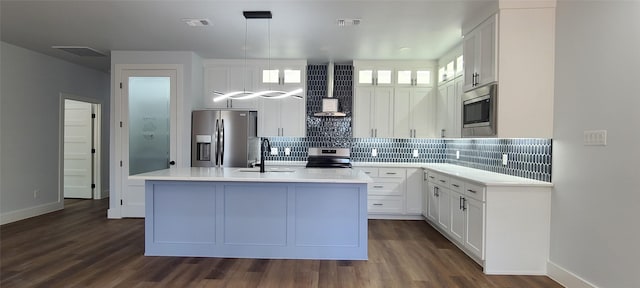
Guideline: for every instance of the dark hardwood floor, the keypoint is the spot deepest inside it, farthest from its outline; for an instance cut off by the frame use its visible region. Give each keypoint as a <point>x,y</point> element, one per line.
<point>80,247</point>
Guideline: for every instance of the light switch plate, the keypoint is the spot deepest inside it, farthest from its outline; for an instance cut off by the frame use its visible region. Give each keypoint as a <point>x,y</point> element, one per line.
<point>457,154</point>
<point>287,151</point>
<point>595,138</point>
<point>274,150</point>
<point>374,152</point>
<point>505,159</point>
<point>415,153</point>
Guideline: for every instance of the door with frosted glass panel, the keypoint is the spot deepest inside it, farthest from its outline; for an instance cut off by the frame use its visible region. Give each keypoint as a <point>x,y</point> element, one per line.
<point>148,130</point>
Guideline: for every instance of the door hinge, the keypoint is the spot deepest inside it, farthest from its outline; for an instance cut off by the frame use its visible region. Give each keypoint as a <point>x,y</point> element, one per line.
<point>120,163</point>
<point>120,85</point>
<point>93,151</point>
<point>93,186</point>
<point>93,115</point>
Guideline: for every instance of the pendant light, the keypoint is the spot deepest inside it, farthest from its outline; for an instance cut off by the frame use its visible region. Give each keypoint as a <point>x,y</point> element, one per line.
<point>244,94</point>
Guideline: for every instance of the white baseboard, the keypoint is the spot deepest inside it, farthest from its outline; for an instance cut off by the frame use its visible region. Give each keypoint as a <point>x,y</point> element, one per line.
<point>566,278</point>
<point>102,194</point>
<point>29,212</point>
<point>395,217</point>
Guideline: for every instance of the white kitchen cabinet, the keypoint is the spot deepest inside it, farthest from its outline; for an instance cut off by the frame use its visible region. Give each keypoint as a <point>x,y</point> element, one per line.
<point>282,117</point>
<point>373,74</point>
<point>413,113</point>
<point>414,191</point>
<point>474,227</point>
<point>373,112</point>
<point>227,76</point>
<point>449,111</point>
<point>458,221</point>
<point>414,76</point>
<point>432,208</point>
<point>480,54</point>
<point>425,194</point>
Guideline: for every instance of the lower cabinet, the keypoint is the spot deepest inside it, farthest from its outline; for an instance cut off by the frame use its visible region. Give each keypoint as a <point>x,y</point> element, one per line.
<point>505,228</point>
<point>395,193</point>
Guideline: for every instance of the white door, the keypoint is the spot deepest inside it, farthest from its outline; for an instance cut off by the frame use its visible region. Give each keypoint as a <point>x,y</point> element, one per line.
<point>148,131</point>
<point>78,144</point>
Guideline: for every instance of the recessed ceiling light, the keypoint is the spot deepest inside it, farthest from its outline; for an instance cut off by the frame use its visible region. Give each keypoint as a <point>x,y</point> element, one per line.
<point>348,22</point>
<point>196,22</point>
<point>83,51</point>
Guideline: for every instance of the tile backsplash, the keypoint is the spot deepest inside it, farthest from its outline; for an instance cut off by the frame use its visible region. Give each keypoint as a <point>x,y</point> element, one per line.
<point>529,158</point>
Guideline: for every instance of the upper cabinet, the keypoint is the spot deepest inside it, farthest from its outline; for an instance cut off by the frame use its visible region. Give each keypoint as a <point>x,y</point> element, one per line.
<point>226,76</point>
<point>283,73</point>
<point>413,76</point>
<point>374,74</point>
<point>413,111</point>
<point>480,54</point>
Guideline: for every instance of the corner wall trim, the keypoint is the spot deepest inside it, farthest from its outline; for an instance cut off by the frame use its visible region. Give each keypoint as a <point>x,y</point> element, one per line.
<point>566,278</point>
<point>29,212</point>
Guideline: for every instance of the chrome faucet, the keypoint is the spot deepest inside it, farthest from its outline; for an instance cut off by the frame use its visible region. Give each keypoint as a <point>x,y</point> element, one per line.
<point>265,147</point>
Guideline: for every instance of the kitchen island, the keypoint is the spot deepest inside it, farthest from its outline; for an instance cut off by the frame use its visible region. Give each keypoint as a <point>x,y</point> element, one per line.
<point>285,213</point>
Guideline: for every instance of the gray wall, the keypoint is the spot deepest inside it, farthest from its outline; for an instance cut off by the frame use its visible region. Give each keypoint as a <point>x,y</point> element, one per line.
<point>31,84</point>
<point>596,201</point>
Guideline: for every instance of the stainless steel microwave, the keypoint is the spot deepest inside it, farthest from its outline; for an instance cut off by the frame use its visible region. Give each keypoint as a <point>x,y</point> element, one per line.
<point>479,112</point>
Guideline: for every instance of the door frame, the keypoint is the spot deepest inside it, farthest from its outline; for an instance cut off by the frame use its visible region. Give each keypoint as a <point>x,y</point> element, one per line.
<point>116,133</point>
<point>97,141</point>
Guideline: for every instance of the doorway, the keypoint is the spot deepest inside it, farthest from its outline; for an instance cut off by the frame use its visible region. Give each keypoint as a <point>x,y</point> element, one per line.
<point>81,149</point>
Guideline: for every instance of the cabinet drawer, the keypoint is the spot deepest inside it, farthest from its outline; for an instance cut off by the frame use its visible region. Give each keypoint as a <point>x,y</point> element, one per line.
<point>474,191</point>
<point>392,172</point>
<point>371,172</point>
<point>439,179</point>
<point>456,185</point>
<point>385,204</point>
<point>382,187</point>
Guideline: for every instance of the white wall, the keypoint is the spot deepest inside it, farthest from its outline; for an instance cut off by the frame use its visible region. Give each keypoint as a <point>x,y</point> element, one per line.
<point>192,66</point>
<point>30,85</point>
<point>595,222</point>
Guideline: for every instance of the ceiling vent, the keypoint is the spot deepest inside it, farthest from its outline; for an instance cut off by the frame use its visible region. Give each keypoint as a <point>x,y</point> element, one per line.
<point>348,22</point>
<point>82,51</point>
<point>196,22</point>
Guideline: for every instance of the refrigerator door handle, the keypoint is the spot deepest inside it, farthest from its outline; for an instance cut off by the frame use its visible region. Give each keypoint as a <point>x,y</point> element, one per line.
<point>217,141</point>
<point>222,145</point>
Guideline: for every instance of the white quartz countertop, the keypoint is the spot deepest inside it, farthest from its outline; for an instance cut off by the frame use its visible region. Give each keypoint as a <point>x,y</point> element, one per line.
<point>273,174</point>
<point>482,177</point>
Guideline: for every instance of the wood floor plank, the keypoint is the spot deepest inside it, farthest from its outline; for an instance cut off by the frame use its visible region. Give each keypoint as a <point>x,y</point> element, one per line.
<point>79,247</point>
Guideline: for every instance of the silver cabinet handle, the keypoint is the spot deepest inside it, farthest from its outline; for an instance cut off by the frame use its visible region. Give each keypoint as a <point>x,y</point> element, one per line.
<point>377,204</point>
<point>391,173</point>
<point>472,191</point>
<point>455,185</point>
<point>432,177</point>
<point>367,172</point>
<point>443,181</point>
<point>378,186</point>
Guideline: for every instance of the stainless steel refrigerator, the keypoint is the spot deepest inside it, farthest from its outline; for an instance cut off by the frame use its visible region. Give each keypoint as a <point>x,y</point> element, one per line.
<point>224,138</point>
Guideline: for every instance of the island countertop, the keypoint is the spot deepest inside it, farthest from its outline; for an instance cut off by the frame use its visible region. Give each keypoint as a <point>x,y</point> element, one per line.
<point>273,174</point>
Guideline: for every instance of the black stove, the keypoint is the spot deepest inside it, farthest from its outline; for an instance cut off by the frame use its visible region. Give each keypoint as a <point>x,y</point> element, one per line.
<point>329,158</point>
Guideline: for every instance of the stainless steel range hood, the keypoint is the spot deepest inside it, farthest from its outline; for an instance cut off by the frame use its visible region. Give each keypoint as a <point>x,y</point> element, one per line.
<point>330,105</point>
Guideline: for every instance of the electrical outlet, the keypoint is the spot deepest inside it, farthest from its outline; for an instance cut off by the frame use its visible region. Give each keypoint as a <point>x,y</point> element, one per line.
<point>415,153</point>
<point>595,138</point>
<point>374,152</point>
<point>287,151</point>
<point>505,158</point>
<point>36,193</point>
<point>274,150</point>
<point>457,154</point>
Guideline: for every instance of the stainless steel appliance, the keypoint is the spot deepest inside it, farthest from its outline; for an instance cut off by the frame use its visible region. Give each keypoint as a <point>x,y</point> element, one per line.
<point>329,158</point>
<point>226,138</point>
<point>479,112</point>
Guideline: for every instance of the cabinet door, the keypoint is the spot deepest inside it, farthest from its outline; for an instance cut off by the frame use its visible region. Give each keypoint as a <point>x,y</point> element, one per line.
<point>474,238</point>
<point>402,127</point>
<point>216,79</point>
<point>456,109</point>
<point>444,208</point>
<point>362,116</point>
<point>293,117</point>
<point>432,209</point>
<point>425,195</point>
<point>414,191</point>
<point>383,112</point>
<point>442,103</point>
<point>487,52</point>
<point>469,48</point>
<point>457,229</point>
<point>422,113</point>
<point>227,79</point>
<point>269,118</point>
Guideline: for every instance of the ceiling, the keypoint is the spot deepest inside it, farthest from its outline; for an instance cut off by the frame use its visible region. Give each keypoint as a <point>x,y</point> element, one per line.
<point>302,29</point>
